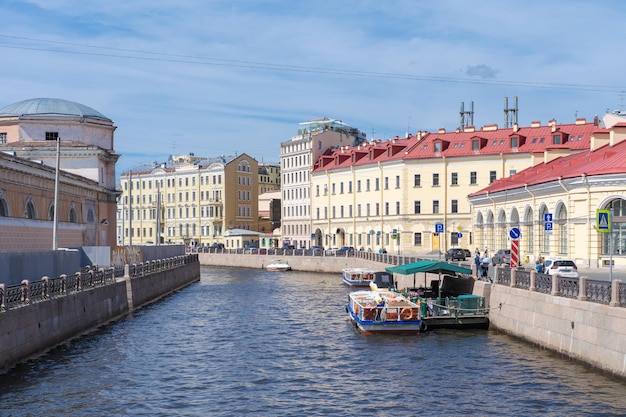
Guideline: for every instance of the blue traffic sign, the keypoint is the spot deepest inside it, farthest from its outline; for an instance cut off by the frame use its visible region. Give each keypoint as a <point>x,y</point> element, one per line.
<point>438,227</point>
<point>547,217</point>
<point>459,235</point>
<point>547,226</point>
<point>603,221</point>
<point>515,233</point>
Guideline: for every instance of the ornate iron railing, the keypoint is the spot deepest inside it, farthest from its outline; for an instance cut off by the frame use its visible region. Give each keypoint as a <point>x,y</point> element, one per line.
<point>543,283</point>
<point>88,277</point>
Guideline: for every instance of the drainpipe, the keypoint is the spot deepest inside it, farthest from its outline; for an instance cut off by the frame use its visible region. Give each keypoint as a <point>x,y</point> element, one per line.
<point>493,202</point>
<point>534,205</point>
<point>560,179</point>
<point>585,181</point>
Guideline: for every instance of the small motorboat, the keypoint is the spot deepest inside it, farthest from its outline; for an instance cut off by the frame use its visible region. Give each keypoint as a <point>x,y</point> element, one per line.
<point>357,277</point>
<point>278,265</point>
<point>383,311</point>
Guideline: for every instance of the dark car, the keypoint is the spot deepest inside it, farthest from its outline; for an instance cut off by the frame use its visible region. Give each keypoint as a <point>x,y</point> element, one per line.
<point>455,254</point>
<point>346,250</point>
<point>468,254</point>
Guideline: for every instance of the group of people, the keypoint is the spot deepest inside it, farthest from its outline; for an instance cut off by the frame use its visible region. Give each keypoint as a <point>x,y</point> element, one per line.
<point>540,265</point>
<point>482,264</point>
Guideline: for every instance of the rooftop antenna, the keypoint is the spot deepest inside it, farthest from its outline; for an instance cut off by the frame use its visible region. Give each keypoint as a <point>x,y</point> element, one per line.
<point>510,113</point>
<point>466,117</point>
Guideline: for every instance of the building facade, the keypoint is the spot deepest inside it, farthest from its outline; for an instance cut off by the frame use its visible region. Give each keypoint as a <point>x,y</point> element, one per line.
<point>269,177</point>
<point>297,157</point>
<point>45,130</point>
<point>409,195</point>
<point>189,200</point>
<point>555,204</point>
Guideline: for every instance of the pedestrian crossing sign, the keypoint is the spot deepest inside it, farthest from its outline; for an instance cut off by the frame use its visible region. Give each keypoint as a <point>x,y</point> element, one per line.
<point>603,221</point>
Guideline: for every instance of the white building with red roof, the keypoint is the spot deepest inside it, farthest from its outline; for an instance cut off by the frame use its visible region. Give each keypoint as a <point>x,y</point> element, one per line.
<point>569,190</point>
<point>410,195</point>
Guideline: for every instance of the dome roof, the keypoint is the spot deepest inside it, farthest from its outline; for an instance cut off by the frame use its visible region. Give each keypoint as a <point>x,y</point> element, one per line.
<point>50,107</point>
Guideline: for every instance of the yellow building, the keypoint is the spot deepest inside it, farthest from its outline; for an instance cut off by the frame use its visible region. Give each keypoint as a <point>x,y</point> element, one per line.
<point>409,195</point>
<point>269,177</point>
<point>192,201</point>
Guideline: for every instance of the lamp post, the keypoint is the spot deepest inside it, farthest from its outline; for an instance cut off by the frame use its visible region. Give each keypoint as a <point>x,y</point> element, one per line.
<point>55,220</point>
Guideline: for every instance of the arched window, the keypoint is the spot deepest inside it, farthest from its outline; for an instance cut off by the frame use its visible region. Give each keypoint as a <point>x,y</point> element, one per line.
<point>529,231</point>
<point>29,209</point>
<point>544,237</point>
<point>90,217</point>
<point>618,228</point>
<point>4,205</point>
<point>51,212</point>
<point>561,228</point>
<point>72,215</point>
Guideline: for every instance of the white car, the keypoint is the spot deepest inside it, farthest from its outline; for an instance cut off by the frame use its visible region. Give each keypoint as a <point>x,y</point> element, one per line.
<point>562,267</point>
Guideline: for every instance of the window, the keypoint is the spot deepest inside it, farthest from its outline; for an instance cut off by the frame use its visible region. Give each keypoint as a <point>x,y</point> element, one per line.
<point>350,187</point>
<point>435,206</point>
<point>512,172</point>
<point>514,142</point>
<point>3,138</point>
<point>435,180</point>
<point>367,185</point>
<point>397,208</point>
<point>317,191</point>
<point>377,209</point>
<point>417,239</point>
<point>417,207</point>
<point>52,135</point>
<point>341,188</point>
<point>556,139</point>
<point>417,180</point>
<point>387,208</point>
<point>30,210</point>
<point>386,183</point>
<point>377,181</point>
<point>473,178</point>
<point>455,206</point>
<point>437,147</point>
<point>397,181</point>
<point>332,187</point>
<point>492,176</point>
<point>358,186</point>
<point>454,180</point>
<point>475,145</point>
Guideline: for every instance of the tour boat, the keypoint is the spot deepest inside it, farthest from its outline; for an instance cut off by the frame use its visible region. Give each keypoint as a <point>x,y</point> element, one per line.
<point>357,277</point>
<point>278,265</point>
<point>382,311</point>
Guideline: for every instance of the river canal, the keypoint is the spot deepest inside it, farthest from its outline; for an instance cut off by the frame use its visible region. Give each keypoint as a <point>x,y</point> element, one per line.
<point>250,342</point>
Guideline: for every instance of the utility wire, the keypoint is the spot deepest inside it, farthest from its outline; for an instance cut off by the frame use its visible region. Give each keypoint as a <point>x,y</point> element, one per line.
<point>187,59</point>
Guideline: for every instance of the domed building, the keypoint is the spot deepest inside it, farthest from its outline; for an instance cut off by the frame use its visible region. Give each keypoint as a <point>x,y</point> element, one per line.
<point>31,130</point>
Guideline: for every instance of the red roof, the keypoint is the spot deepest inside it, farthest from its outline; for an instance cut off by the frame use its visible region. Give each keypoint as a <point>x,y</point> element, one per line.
<point>603,161</point>
<point>488,141</point>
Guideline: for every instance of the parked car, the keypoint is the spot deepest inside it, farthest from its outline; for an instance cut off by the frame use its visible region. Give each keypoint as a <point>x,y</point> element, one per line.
<point>217,246</point>
<point>562,267</point>
<point>468,254</point>
<point>346,250</point>
<point>455,254</point>
<point>503,256</point>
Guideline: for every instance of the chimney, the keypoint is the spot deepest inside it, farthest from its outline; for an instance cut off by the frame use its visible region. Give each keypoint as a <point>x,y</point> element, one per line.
<point>535,123</point>
<point>552,124</point>
<point>515,127</point>
<point>442,130</point>
<point>581,121</point>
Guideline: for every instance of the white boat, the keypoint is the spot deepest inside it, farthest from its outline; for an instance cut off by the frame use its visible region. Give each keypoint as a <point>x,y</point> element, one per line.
<point>278,265</point>
<point>357,277</point>
<point>382,311</point>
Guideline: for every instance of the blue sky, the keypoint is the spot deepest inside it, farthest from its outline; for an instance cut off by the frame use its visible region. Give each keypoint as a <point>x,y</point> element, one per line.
<point>219,77</point>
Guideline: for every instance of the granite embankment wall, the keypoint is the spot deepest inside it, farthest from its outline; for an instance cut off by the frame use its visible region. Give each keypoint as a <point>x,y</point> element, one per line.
<point>35,326</point>
<point>582,330</point>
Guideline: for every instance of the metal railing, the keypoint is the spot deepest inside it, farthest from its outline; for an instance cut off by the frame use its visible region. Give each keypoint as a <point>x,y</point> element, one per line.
<point>601,292</point>
<point>88,277</point>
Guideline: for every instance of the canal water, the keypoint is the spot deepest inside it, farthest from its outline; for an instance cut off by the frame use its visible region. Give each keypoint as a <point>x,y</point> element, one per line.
<point>251,342</point>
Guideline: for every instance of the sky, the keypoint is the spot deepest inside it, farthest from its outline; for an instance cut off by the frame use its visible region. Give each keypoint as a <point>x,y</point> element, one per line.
<point>225,77</point>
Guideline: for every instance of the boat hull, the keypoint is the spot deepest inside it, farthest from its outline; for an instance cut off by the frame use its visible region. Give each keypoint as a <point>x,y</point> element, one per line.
<point>387,327</point>
<point>357,277</point>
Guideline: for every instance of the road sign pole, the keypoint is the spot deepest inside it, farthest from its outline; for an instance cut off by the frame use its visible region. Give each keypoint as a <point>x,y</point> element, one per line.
<point>514,253</point>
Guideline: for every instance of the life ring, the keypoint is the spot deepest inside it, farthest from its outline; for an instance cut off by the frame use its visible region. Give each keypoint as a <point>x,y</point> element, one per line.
<point>423,326</point>
<point>406,313</point>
